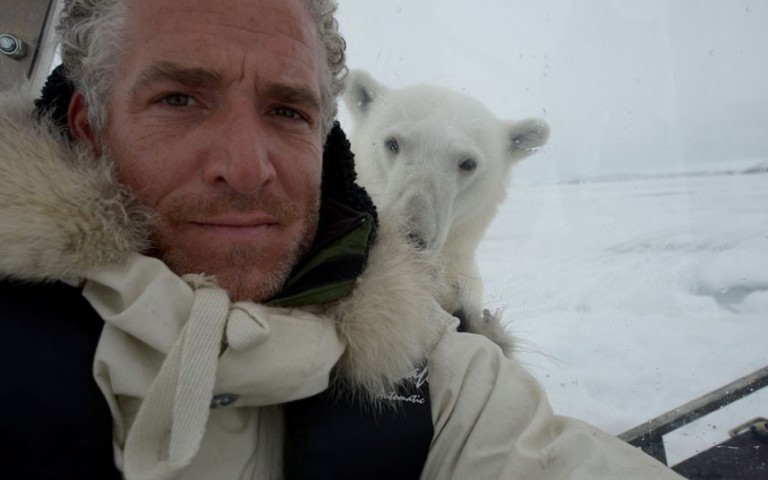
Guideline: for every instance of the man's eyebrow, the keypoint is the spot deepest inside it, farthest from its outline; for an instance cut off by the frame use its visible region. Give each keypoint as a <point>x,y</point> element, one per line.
<point>293,93</point>
<point>174,73</point>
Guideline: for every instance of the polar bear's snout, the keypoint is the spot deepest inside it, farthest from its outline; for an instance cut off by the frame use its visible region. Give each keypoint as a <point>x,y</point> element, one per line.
<point>419,230</point>
<point>425,215</point>
<point>414,238</point>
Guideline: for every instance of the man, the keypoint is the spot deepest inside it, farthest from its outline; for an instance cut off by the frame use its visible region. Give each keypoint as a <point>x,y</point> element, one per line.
<point>193,287</point>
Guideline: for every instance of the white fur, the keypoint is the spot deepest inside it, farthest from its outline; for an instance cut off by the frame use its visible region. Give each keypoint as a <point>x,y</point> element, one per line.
<point>443,207</point>
<point>389,323</point>
<point>62,214</point>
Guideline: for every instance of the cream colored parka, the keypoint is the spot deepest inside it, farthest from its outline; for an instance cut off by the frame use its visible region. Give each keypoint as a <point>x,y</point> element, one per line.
<point>195,382</point>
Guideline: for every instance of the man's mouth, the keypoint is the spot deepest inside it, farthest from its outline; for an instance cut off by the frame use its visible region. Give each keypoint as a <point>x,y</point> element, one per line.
<point>236,228</point>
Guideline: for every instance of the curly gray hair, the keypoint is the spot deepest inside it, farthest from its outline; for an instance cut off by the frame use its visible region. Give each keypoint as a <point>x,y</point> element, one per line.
<point>90,33</point>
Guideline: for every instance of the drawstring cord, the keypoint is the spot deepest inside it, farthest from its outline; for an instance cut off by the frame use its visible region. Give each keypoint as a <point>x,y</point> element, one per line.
<point>172,418</point>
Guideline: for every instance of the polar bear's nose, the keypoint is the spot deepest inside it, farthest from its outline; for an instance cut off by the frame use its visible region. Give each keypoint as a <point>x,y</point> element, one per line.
<point>416,240</point>
<point>421,220</point>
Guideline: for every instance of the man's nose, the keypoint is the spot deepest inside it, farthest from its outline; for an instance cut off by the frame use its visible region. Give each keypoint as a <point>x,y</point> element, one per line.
<point>241,156</point>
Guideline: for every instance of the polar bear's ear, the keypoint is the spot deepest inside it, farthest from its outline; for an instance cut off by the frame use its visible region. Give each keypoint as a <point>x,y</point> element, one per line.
<point>363,91</point>
<point>526,135</point>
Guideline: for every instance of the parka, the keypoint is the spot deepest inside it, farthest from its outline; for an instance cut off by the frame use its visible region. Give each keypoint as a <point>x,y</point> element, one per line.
<point>199,387</point>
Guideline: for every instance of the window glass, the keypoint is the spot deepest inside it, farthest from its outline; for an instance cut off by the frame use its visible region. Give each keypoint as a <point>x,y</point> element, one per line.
<point>630,257</point>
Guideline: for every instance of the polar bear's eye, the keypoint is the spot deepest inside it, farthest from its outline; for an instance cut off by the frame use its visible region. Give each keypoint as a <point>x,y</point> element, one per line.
<point>467,165</point>
<point>391,144</point>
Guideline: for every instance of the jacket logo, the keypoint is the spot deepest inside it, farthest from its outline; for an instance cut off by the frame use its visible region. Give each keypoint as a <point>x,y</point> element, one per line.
<point>410,390</point>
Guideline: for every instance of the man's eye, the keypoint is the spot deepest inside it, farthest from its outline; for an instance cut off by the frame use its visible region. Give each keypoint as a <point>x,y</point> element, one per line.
<point>177,100</point>
<point>288,113</point>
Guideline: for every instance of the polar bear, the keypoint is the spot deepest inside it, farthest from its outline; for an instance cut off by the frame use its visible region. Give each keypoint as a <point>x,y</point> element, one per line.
<point>440,161</point>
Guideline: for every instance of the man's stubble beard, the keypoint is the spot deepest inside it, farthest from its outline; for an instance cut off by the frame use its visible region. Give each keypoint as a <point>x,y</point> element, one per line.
<point>241,281</point>
<point>242,276</point>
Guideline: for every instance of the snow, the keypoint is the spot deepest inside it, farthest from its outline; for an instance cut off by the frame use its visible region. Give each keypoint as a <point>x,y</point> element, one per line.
<point>634,296</point>
<point>631,255</point>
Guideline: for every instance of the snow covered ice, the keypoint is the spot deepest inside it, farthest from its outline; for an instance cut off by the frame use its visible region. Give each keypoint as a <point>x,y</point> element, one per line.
<point>633,296</point>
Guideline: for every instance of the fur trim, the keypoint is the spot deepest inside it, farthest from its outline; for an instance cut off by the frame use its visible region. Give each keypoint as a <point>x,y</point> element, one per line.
<point>61,213</point>
<point>390,323</point>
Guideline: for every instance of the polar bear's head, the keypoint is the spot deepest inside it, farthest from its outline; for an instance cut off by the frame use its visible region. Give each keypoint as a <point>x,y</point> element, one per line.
<point>437,158</point>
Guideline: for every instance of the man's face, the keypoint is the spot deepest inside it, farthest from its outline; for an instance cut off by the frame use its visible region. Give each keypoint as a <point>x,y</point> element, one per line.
<point>215,123</point>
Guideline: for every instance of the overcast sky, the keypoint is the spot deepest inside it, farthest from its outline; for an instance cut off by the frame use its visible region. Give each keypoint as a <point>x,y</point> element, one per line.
<point>626,86</point>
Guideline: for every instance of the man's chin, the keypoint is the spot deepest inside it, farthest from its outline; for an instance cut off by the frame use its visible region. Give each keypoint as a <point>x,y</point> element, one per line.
<point>243,277</point>
<point>247,273</point>
<point>254,286</point>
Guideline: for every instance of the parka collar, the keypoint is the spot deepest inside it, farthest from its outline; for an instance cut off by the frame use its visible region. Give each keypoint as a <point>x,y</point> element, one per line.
<point>63,216</point>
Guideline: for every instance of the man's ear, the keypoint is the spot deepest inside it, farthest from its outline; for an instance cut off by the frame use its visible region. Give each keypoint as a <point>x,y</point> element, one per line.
<point>79,125</point>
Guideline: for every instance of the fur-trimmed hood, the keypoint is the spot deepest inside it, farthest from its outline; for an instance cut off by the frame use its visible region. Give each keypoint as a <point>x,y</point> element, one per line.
<point>64,215</point>
<point>61,212</point>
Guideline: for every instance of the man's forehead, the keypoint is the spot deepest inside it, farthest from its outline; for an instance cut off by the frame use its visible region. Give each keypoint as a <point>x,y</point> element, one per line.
<point>205,37</point>
<point>281,15</point>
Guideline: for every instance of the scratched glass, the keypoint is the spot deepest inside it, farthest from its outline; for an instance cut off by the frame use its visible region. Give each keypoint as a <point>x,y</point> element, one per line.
<point>630,257</point>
